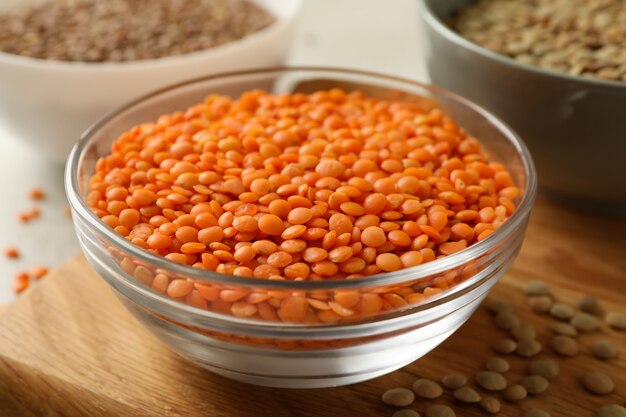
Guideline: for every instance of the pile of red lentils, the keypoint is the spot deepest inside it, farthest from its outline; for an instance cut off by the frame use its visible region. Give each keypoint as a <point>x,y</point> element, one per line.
<point>300,187</point>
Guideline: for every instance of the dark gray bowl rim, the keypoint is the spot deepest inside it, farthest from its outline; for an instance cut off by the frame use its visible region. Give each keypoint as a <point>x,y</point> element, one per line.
<point>437,24</point>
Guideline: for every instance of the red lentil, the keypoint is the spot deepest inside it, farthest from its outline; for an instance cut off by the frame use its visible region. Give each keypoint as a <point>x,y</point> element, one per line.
<point>11,252</point>
<point>349,190</point>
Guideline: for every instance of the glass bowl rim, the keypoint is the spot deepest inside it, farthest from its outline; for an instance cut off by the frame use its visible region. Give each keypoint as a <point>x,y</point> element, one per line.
<point>441,265</point>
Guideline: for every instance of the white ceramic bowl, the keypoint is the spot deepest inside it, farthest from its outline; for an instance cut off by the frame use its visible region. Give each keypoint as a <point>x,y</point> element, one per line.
<point>50,103</point>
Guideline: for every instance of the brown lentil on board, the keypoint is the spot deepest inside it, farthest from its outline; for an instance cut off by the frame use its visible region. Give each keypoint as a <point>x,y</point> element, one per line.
<point>496,305</point>
<point>616,320</point>
<point>564,329</point>
<point>589,304</point>
<point>524,331</point>
<point>506,320</point>
<point>439,410</point>
<point>504,345</point>
<point>406,413</point>
<point>535,412</point>
<point>535,384</point>
<point>603,349</point>
<point>528,347</point>
<point>562,311</point>
<point>515,393</point>
<point>425,388</point>
<point>545,367</point>
<point>467,395</point>
<point>565,346</point>
<point>611,410</point>
<point>597,382</point>
<point>497,364</point>
<point>398,397</point>
<point>491,381</point>
<point>491,405</point>
<point>537,288</point>
<point>126,30</point>
<point>584,322</point>
<point>454,381</point>
<point>540,304</point>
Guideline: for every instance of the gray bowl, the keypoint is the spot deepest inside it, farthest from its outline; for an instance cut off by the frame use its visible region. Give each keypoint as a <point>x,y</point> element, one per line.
<point>575,127</point>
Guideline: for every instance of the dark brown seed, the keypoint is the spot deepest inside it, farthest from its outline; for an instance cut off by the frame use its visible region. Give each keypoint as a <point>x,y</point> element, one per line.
<point>515,393</point>
<point>398,397</point>
<point>438,410</point>
<point>535,384</point>
<point>406,413</point>
<point>524,331</point>
<point>544,367</point>
<point>454,381</point>
<point>491,381</point>
<point>505,346</point>
<point>496,305</point>
<point>497,364</point>
<point>603,349</point>
<point>565,346</point>
<point>562,311</point>
<point>506,320</point>
<point>528,348</point>
<point>584,322</point>
<point>491,405</point>
<point>425,388</point>
<point>589,304</point>
<point>467,395</point>
<point>598,383</point>
<point>537,288</point>
<point>540,304</point>
<point>616,320</point>
<point>564,329</point>
<point>611,410</point>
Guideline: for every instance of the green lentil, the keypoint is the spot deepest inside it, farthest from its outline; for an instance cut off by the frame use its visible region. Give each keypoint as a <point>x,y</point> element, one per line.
<point>515,393</point>
<point>505,346</point>
<point>597,383</point>
<point>497,364</point>
<point>454,381</point>
<point>589,304</point>
<point>398,397</point>
<point>537,288</point>
<point>528,347</point>
<point>425,388</point>
<point>611,410</point>
<point>491,405</point>
<point>467,395</point>
<point>406,413</point>
<point>616,320</point>
<point>439,410</point>
<point>524,331</point>
<point>535,384</point>
<point>565,346</point>
<point>544,367</point>
<point>491,381</point>
<point>540,303</point>
<point>562,311</point>
<point>506,320</point>
<point>584,322</point>
<point>603,349</point>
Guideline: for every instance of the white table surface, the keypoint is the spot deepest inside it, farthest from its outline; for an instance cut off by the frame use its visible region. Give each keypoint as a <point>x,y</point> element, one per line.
<point>376,35</point>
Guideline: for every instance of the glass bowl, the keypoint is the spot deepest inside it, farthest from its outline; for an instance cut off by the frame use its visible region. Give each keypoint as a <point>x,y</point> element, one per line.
<point>395,318</point>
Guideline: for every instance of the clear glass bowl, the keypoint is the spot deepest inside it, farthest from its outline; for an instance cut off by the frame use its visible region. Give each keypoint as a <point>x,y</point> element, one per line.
<point>387,328</point>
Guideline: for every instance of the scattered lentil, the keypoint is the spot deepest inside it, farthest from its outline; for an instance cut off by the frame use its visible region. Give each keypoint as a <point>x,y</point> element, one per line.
<point>454,381</point>
<point>491,381</point>
<point>611,410</point>
<point>528,347</point>
<point>398,397</point>
<point>515,393</point>
<point>506,320</point>
<point>524,331</point>
<point>535,412</point>
<point>589,304</point>
<point>491,405</point>
<point>603,349</point>
<point>565,345</point>
<point>37,193</point>
<point>597,383</point>
<point>540,304</point>
<point>564,329</point>
<point>11,252</point>
<point>505,346</point>
<point>39,272</point>
<point>439,410</point>
<point>467,395</point>
<point>127,30</point>
<point>535,384</point>
<point>616,320</point>
<point>497,364</point>
<point>496,305</point>
<point>406,413</point>
<point>536,288</point>
<point>425,388</point>
<point>562,311</point>
<point>544,367</point>
<point>584,322</point>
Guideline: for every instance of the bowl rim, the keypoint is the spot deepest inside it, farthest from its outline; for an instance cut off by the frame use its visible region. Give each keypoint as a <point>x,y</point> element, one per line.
<point>215,52</point>
<point>435,22</point>
<point>441,265</point>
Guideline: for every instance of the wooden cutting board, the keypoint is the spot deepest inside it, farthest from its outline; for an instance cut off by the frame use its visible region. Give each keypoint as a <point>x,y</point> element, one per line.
<point>68,347</point>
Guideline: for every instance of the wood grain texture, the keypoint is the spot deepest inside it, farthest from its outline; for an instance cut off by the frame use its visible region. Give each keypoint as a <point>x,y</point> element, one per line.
<point>68,347</point>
